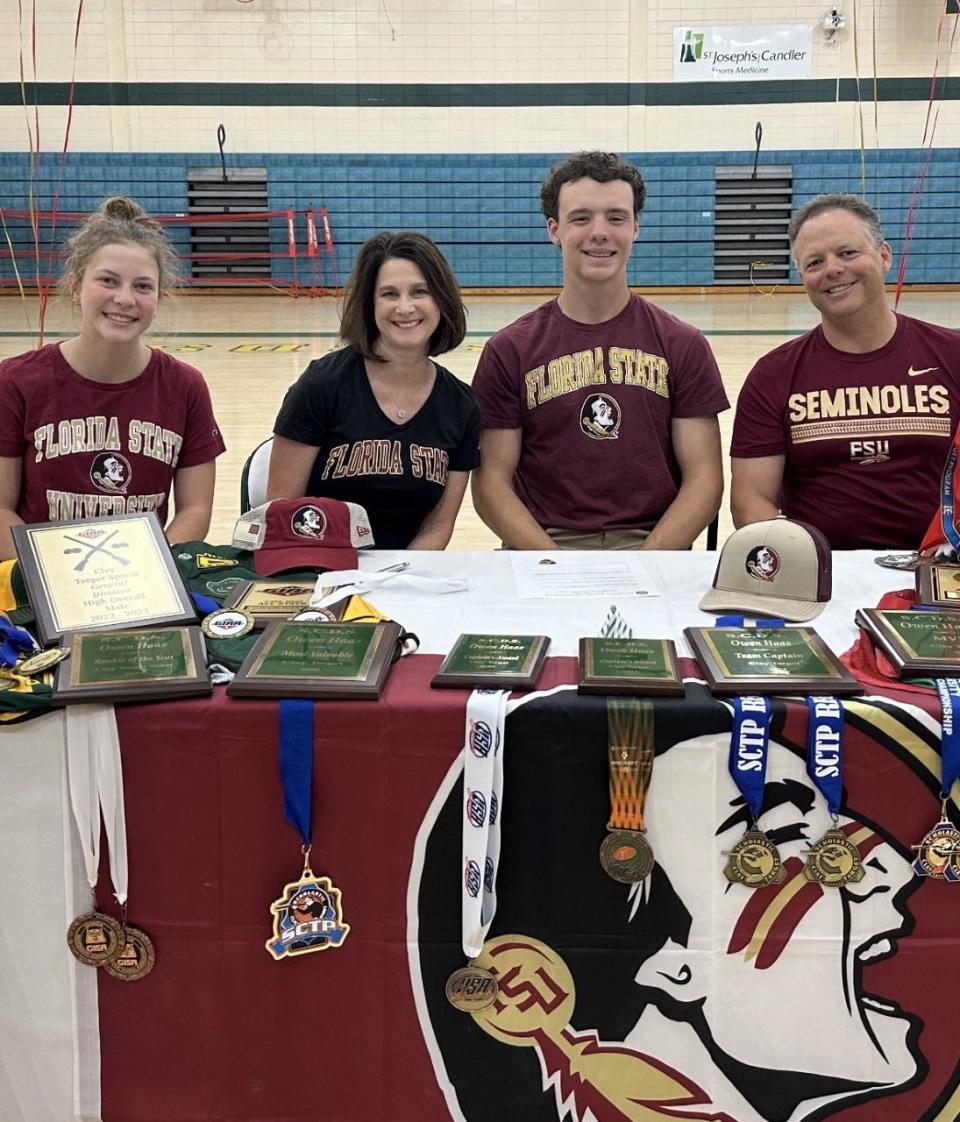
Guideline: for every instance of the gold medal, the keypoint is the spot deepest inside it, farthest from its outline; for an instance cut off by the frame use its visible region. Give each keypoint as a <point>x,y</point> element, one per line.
<point>471,989</point>
<point>938,850</point>
<point>834,860</point>
<point>43,660</point>
<point>754,861</point>
<point>95,939</point>
<point>625,854</point>
<point>227,623</point>
<point>135,960</point>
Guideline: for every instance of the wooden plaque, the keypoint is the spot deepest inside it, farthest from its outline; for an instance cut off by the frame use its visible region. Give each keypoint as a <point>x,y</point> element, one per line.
<point>938,585</point>
<point>271,598</point>
<point>768,660</point>
<point>336,660</point>
<point>641,667</point>
<point>919,644</point>
<point>101,575</point>
<point>145,664</point>
<point>506,662</point>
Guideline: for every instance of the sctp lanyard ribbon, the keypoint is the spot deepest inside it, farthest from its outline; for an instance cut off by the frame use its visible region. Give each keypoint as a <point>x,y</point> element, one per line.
<point>825,749</point>
<point>949,690</point>
<point>95,778</point>
<point>296,766</point>
<point>947,522</point>
<point>749,747</point>
<point>482,807</point>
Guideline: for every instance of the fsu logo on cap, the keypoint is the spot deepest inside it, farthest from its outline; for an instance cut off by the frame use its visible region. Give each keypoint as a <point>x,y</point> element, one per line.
<point>763,563</point>
<point>600,417</point>
<point>309,522</point>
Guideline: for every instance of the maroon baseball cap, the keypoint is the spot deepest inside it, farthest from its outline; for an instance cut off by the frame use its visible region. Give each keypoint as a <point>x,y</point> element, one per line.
<point>305,533</point>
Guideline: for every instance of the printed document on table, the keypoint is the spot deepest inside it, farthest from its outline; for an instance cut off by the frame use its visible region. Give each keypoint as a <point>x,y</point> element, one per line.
<point>573,576</point>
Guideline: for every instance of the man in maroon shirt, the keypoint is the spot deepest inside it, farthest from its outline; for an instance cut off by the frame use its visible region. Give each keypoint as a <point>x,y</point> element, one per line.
<point>598,408</point>
<point>847,427</point>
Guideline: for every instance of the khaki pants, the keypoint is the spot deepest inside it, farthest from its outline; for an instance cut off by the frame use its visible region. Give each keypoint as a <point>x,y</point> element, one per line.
<point>602,539</point>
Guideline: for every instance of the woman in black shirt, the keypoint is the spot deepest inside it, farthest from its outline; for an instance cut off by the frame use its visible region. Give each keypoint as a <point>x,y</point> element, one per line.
<point>377,422</point>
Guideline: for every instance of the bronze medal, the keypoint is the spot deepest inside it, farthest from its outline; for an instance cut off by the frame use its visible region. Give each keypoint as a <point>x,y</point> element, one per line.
<point>754,861</point>
<point>95,939</point>
<point>834,860</point>
<point>626,856</point>
<point>135,960</point>
<point>937,851</point>
<point>471,989</point>
<point>41,661</point>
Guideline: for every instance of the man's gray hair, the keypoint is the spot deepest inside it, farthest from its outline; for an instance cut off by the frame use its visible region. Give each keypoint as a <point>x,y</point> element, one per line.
<point>851,203</point>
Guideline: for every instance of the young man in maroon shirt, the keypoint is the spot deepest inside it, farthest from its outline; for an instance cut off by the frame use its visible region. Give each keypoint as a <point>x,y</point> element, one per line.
<point>599,409</point>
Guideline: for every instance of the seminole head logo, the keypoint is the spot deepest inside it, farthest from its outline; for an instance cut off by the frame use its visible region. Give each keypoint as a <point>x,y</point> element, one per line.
<point>600,417</point>
<point>664,999</point>
<point>111,473</point>
<point>309,522</point>
<point>763,563</point>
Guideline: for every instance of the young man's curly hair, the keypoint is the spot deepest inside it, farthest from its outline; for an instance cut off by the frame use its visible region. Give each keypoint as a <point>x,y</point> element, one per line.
<point>601,166</point>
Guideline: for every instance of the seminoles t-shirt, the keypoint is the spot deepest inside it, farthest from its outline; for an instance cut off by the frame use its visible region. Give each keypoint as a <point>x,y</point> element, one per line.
<point>92,449</point>
<point>865,436</point>
<point>395,470</point>
<point>595,403</point>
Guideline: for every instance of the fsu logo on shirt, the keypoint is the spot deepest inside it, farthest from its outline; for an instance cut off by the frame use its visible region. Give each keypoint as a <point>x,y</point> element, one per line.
<point>600,417</point>
<point>309,522</point>
<point>111,473</point>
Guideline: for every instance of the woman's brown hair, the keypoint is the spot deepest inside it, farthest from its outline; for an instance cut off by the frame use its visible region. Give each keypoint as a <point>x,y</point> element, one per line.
<point>358,327</point>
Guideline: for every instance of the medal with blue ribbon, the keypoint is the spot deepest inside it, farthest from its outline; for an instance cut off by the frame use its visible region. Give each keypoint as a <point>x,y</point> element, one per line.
<point>754,861</point>
<point>834,860</point>
<point>947,517</point>
<point>308,916</point>
<point>938,855</point>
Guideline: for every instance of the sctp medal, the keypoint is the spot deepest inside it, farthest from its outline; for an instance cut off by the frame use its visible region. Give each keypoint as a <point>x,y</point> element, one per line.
<point>308,916</point>
<point>625,854</point>
<point>938,854</point>
<point>834,860</point>
<point>754,861</point>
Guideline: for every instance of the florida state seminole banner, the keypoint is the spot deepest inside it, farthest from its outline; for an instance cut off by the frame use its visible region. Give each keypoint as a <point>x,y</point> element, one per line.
<point>687,996</point>
<point>683,997</point>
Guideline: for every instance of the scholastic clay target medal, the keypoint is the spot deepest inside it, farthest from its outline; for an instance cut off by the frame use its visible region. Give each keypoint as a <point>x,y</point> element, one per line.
<point>227,623</point>
<point>937,853</point>
<point>472,989</point>
<point>136,959</point>
<point>834,860</point>
<point>95,939</point>
<point>308,916</point>
<point>754,861</point>
<point>42,661</point>
<point>625,854</point>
